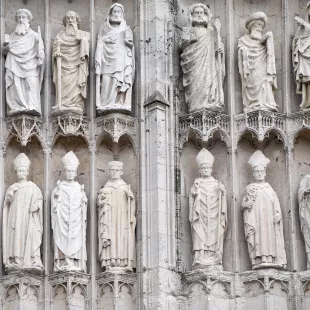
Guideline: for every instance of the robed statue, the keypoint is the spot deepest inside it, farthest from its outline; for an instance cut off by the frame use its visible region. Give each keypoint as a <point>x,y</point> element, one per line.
<point>24,67</point>
<point>69,216</point>
<point>263,222</point>
<point>257,65</point>
<point>304,212</point>
<point>22,222</point>
<point>115,63</point>
<point>202,61</point>
<point>116,222</point>
<point>70,66</point>
<point>301,58</point>
<point>207,215</point>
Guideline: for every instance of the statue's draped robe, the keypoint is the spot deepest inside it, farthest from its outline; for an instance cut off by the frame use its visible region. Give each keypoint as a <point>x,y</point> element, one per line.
<point>258,74</point>
<point>304,210</point>
<point>203,70</point>
<point>116,223</point>
<point>74,70</point>
<point>264,237</point>
<point>23,229</point>
<point>69,215</point>
<point>24,73</point>
<point>301,63</point>
<point>115,62</point>
<point>208,216</point>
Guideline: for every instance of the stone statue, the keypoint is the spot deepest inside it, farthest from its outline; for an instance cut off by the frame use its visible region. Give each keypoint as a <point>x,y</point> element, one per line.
<point>202,61</point>
<point>256,60</point>
<point>22,222</point>
<point>24,67</point>
<point>301,59</point>
<point>207,215</point>
<point>114,62</point>
<point>70,66</point>
<point>116,222</point>
<point>68,213</point>
<point>263,222</point>
<point>304,212</point>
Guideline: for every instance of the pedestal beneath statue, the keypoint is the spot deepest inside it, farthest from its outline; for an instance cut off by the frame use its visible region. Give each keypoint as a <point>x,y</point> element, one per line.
<point>116,290</point>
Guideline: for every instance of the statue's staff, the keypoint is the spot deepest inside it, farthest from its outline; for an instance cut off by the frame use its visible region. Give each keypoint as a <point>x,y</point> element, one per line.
<point>58,63</point>
<point>129,228</point>
<point>217,25</point>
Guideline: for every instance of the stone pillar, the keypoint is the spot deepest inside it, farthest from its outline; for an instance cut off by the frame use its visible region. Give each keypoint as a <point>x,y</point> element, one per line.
<point>157,158</point>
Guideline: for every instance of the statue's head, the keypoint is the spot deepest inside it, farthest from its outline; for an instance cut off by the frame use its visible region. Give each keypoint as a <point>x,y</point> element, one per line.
<point>116,14</point>
<point>255,25</point>
<point>21,164</point>
<point>115,169</point>
<point>199,14</point>
<point>71,19</point>
<point>70,163</point>
<point>259,162</point>
<point>205,162</point>
<point>23,17</point>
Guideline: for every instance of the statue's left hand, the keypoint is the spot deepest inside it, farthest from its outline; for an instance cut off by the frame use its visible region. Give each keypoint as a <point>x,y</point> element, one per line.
<point>82,84</point>
<point>222,188</point>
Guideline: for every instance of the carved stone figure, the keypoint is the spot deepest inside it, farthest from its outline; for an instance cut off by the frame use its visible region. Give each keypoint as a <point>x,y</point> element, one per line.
<point>301,59</point>
<point>114,62</point>
<point>202,61</point>
<point>70,66</point>
<point>68,213</point>
<point>263,222</point>
<point>116,222</point>
<point>24,67</point>
<point>304,212</point>
<point>207,215</point>
<point>257,66</point>
<point>22,222</point>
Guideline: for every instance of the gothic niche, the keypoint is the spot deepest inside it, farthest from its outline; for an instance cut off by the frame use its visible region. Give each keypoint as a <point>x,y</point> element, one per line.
<point>189,172</point>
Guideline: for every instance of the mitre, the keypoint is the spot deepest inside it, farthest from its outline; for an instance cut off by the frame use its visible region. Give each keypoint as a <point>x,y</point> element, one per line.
<point>70,160</point>
<point>116,163</point>
<point>258,159</point>
<point>257,16</point>
<point>21,161</point>
<point>204,157</point>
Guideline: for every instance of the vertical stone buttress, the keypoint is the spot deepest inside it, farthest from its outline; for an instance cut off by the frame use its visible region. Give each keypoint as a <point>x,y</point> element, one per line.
<point>159,279</point>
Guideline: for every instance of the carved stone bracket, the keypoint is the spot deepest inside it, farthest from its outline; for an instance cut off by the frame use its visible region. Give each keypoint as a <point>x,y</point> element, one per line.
<point>115,288</point>
<point>116,125</point>
<point>297,122</point>
<point>204,124</point>
<point>260,123</point>
<point>70,124</point>
<point>70,289</point>
<point>24,127</point>
<point>209,278</point>
<point>22,291</point>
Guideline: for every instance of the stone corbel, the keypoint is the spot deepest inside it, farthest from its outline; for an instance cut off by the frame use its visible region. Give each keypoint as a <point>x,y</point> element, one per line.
<point>117,125</point>
<point>23,128</point>
<point>70,124</point>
